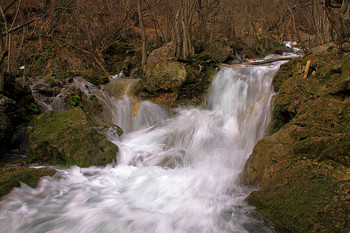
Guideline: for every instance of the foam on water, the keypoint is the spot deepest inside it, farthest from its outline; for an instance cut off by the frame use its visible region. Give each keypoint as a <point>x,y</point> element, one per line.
<point>180,175</point>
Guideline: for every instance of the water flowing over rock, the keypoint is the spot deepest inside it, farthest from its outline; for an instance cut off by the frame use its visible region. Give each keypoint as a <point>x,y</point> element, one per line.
<point>178,176</point>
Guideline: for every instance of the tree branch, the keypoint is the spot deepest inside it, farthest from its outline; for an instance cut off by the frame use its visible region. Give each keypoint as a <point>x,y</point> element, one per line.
<point>18,27</point>
<point>9,5</point>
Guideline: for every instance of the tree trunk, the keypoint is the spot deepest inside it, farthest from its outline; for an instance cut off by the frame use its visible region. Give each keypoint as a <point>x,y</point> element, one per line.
<point>3,55</point>
<point>295,28</point>
<point>331,18</point>
<point>143,35</point>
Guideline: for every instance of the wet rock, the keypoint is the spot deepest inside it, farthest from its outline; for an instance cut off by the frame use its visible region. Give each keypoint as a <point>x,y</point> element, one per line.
<point>67,138</point>
<point>44,89</point>
<point>11,177</point>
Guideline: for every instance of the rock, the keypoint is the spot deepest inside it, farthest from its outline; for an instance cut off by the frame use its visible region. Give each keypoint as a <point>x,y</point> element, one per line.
<point>94,77</point>
<point>346,46</point>
<point>162,82</point>
<point>302,170</point>
<point>166,76</point>
<point>68,138</point>
<point>324,48</point>
<point>12,176</point>
<point>328,74</point>
<point>17,107</point>
<point>174,83</point>
<point>162,54</point>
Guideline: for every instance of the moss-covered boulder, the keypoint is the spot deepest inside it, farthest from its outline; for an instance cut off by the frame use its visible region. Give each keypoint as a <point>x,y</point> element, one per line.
<point>302,170</point>
<point>12,176</point>
<point>67,138</point>
<point>174,83</point>
<point>162,82</point>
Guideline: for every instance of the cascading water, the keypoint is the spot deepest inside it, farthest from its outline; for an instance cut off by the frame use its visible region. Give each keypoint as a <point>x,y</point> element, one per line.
<point>179,176</point>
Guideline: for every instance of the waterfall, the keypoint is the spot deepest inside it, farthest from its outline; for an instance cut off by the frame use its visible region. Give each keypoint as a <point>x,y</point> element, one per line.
<point>122,109</point>
<point>177,176</point>
<point>119,107</point>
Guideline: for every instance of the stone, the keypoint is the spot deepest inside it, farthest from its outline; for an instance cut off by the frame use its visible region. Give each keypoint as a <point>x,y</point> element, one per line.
<point>162,54</point>
<point>68,138</point>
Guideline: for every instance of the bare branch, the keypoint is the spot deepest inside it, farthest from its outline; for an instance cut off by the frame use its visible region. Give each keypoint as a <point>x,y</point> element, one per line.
<point>9,5</point>
<point>18,27</point>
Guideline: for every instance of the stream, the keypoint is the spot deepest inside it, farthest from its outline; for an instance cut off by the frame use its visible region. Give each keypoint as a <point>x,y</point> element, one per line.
<point>174,174</point>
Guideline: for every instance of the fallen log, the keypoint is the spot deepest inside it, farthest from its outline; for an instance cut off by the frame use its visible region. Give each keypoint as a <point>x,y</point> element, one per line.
<point>264,62</point>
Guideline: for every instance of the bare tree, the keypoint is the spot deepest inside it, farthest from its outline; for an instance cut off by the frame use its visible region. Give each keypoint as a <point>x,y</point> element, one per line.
<point>6,30</point>
<point>143,34</point>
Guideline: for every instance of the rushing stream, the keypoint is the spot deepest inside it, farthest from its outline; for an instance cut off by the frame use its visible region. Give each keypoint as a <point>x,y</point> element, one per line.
<point>173,175</point>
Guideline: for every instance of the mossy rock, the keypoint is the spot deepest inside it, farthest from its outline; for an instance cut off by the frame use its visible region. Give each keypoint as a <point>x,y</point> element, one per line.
<point>94,77</point>
<point>302,170</point>
<point>162,82</point>
<point>75,97</point>
<point>175,83</point>
<point>12,177</point>
<point>329,74</point>
<point>68,138</point>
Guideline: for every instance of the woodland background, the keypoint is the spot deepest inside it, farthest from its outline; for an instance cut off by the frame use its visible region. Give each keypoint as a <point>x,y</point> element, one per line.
<point>52,36</point>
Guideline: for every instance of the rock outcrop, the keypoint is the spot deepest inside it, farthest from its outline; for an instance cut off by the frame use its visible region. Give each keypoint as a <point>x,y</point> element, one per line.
<point>70,138</point>
<point>302,170</point>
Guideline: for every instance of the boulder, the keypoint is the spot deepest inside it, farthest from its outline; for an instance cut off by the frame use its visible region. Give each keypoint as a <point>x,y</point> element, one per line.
<point>68,138</point>
<point>162,54</point>
<point>162,82</point>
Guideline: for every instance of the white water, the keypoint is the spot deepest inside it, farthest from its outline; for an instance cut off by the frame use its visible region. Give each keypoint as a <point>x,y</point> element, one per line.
<point>179,176</point>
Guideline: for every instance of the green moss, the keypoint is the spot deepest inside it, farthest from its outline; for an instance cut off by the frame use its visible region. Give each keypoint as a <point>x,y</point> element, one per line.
<point>67,138</point>
<point>298,210</point>
<point>75,101</point>
<point>11,177</point>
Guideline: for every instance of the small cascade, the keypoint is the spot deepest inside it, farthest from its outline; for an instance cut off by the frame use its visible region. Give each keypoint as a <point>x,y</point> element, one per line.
<point>174,175</point>
<point>119,105</point>
<point>124,110</point>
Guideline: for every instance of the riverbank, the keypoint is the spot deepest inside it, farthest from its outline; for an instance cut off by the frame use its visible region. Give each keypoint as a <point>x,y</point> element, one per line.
<point>302,168</point>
